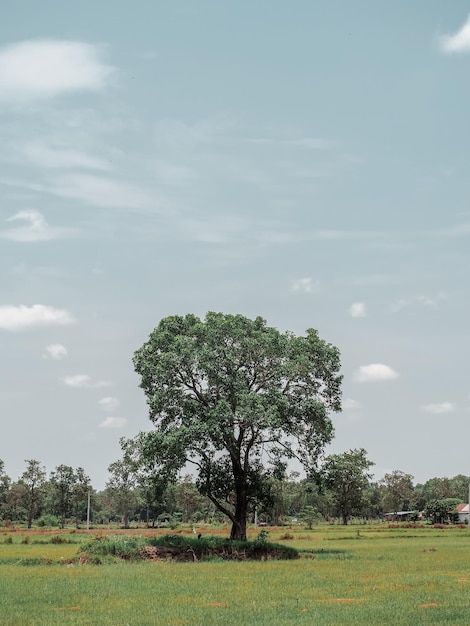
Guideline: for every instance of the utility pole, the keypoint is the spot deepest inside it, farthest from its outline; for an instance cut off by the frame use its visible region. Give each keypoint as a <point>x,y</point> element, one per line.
<point>88,513</point>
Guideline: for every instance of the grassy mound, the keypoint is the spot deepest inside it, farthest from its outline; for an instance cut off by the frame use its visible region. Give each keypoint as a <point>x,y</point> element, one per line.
<point>182,548</point>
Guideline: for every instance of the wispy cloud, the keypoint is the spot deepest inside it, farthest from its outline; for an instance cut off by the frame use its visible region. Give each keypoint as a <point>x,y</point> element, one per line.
<point>357,309</point>
<point>55,158</point>
<point>305,285</point>
<point>113,422</point>
<point>350,405</point>
<point>55,351</point>
<point>375,372</point>
<point>458,41</point>
<point>83,381</point>
<point>101,191</point>
<point>18,318</point>
<point>45,68</point>
<point>428,302</point>
<point>438,408</point>
<point>109,403</point>
<point>34,227</point>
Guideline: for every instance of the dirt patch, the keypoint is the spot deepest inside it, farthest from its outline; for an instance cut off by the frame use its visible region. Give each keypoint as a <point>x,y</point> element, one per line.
<point>343,600</point>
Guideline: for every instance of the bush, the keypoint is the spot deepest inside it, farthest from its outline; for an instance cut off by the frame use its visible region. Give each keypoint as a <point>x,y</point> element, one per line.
<point>58,539</point>
<point>127,548</point>
<point>286,537</point>
<point>48,520</point>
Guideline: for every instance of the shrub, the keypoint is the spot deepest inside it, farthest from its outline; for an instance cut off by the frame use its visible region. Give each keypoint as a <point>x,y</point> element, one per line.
<point>127,548</point>
<point>58,539</point>
<point>51,521</point>
<point>286,537</point>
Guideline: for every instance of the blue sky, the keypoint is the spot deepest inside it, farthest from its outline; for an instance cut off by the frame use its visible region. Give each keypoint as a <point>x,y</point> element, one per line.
<point>304,161</point>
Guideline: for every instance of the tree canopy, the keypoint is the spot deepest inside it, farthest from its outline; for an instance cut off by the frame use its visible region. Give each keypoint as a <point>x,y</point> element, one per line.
<point>237,399</point>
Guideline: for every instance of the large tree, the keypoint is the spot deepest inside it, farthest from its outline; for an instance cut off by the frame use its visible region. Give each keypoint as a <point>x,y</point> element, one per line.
<point>237,399</point>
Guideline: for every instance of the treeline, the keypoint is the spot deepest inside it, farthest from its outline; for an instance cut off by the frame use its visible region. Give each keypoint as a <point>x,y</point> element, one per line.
<point>338,492</point>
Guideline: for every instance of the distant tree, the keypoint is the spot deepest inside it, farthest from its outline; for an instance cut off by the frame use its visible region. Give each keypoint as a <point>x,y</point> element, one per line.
<point>81,488</point>
<point>152,477</point>
<point>374,500</point>
<point>192,504</point>
<point>62,483</point>
<point>16,502</point>
<point>5,484</point>
<point>460,487</point>
<point>397,491</point>
<point>122,490</point>
<point>310,515</point>
<point>34,479</point>
<point>347,476</point>
<point>441,488</point>
<point>227,393</point>
<point>442,511</point>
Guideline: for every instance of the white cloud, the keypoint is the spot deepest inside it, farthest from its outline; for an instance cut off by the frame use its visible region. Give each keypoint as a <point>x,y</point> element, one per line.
<point>305,285</point>
<point>56,351</point>
<point>458,42</point>
<point>16,318</point>
<point>113,422</point>
<point>349,404</point>
<point>438,408</point>
<point>357,309</point>
<point>34,228</point>
<point>83,381</point>
<point>109,403</point>
<point>374,372</point>
<point>37,69</point>
<point>48,157</point>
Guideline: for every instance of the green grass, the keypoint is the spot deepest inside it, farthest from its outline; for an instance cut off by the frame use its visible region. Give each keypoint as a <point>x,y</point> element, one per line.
<point>375,576</point>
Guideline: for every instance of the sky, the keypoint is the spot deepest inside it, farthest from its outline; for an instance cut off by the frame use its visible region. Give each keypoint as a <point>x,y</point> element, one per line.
<point>305,161</point>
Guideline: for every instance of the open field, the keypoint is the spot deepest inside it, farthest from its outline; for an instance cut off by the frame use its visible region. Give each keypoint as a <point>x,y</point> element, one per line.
<point>348,575</point>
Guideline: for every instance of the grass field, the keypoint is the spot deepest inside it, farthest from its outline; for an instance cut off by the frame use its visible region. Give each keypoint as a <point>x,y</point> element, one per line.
<point>347,575</point>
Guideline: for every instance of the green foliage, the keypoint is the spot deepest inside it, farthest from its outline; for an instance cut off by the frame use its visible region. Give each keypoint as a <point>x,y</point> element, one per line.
<point>442,511</point>
<point>397,491</point>
<point>262,538</point>
<point>33,480</point>
<point>222,392</point>
<point>347,476</point>
<point>121,486</point>
<point>121,547</point>
<point>207,546</point>
<point>310,516</point>
<point>47,520</point>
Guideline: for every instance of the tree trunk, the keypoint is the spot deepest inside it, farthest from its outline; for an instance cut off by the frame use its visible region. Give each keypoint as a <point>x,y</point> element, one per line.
<point>238,532</point>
